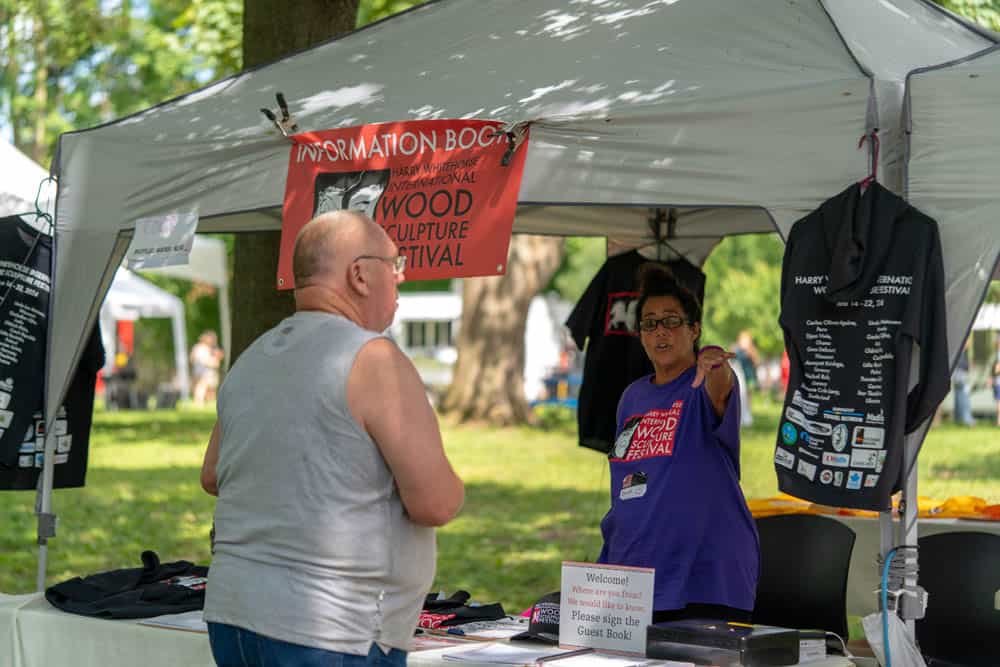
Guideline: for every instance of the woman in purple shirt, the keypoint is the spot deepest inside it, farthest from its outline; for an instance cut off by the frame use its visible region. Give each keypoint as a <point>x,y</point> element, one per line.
<point>676,502</point>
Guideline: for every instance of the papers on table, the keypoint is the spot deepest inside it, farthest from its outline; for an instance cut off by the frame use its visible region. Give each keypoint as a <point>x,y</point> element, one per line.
<point>502,628</point>
<point>191,621</point>
<point>499,653</point>
<point>608,660</point>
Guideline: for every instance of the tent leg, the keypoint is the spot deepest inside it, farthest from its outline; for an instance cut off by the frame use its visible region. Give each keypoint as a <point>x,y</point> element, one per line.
<point>915,598</point>
<point>43,505</point>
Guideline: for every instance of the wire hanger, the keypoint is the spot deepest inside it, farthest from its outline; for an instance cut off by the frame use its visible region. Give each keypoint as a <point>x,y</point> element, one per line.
<point>873,176</point>
<point>39,214</point>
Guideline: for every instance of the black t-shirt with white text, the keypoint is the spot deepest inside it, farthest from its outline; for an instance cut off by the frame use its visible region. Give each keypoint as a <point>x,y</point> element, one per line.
<point>25,265</point>
<point>862,286</point>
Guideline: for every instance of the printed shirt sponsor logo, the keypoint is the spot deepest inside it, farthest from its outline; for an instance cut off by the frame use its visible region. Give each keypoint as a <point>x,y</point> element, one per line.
<point>861,458</point>
<point>838,478</point>
<point>620,318</point>
<point>838,460</point>
<point>870,481</point>
<point>854,479</point>
<point>826,476</point>
<point>789,434</point>
<point>839,438</point>
<point>654,434</point>
<point>871,437</point>
<point>784,458</point>
<point>633,486</point>
<point>807,470</point>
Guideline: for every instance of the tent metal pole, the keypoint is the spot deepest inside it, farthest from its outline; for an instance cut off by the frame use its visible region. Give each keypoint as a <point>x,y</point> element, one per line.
<point>909,534</point>
<point>225,324</point>
<point>46,519</point>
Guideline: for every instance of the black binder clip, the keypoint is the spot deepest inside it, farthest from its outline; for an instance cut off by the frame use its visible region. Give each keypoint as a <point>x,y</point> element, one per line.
<point>515,133</point>
<point>286,124</point>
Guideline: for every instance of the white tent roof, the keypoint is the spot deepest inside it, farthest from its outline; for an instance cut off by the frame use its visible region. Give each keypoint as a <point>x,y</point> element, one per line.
<point>132,298</point>
<point>21,179</point>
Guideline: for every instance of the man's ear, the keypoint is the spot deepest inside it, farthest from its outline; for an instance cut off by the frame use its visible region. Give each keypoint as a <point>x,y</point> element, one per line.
<point>357,279</point>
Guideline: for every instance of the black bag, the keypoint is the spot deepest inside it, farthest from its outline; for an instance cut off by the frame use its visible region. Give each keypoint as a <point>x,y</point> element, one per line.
<point>152,590</point>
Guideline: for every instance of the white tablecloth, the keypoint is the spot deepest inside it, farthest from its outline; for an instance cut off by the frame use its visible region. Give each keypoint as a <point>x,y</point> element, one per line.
<point>864,576</point>
<point>35,634</point>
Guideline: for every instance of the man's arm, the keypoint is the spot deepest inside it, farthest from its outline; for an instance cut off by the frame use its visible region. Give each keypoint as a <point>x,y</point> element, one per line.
<point>209,481</point>
<point>387,397</point>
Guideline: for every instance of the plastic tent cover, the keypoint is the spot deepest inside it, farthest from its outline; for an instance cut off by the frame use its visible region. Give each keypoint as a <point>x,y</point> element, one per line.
<point>132,298</point>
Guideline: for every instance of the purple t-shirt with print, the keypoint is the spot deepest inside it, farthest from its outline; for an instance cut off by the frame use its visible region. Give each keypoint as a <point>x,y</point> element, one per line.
<point>676,502</point>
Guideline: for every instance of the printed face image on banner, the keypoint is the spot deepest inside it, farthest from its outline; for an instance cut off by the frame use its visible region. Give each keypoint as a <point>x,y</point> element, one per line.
<point>353,191</point>
<point>651,435</point>
<point>620,318</point>
<point>438,188</point>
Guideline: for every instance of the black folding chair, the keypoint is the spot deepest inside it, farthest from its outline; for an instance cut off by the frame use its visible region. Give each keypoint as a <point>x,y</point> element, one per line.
<point>804,561</point>
<point>961,573</point>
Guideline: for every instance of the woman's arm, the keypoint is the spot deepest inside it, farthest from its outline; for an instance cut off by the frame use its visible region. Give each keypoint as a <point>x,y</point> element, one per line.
<point>715,372</point>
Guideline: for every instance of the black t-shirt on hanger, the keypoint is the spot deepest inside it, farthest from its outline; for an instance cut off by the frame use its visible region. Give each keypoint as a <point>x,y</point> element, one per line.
<point>25,265</point>
<point>605,316</point>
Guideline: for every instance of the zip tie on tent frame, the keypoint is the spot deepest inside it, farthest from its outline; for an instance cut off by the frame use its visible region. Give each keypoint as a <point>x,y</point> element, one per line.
<point>286,124</point>
<point>902,564</point>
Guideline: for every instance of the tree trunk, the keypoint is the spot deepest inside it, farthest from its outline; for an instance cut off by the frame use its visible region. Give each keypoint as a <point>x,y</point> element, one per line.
<point>271,29</point>
<point>488,382</point>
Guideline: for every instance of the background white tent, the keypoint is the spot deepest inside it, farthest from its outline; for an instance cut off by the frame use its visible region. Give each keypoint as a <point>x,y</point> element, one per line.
<point>743,116</point>
<point>207,264</point>
<point>131,298</point>
<point>19,187</point>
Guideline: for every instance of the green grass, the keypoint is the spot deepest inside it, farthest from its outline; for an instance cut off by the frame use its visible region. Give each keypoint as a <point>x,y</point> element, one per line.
<point>534,499</point>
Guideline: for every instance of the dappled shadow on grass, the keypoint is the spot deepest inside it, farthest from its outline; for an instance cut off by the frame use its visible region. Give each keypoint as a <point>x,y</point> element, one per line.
<point>508,543</point>
<point>107,524</point>
<point>169,427</point>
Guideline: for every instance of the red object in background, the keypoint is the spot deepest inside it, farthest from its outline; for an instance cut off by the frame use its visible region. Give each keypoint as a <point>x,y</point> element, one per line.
<point>785,369</point>
<point>126,336</point>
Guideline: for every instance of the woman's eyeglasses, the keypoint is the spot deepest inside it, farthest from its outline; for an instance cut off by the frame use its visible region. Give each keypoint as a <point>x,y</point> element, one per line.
<point>668,322</point>
<point>398,262</point>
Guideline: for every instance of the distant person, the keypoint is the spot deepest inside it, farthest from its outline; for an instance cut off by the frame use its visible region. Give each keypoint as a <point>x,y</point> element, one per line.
<point>745,365</point>
<point>960,379</point>
<point>329,469</point>
<point>206,358</point>
<point>996,375</point>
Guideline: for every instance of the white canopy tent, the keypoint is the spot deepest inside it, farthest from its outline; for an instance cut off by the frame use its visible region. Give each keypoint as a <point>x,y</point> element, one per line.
<point>740,116</point>
<point>22,183</point>
<point>207,264</point>
<point>131,298</point>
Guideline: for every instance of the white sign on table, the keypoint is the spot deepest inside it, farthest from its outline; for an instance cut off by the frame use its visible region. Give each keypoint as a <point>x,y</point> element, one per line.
<point>605,606</point>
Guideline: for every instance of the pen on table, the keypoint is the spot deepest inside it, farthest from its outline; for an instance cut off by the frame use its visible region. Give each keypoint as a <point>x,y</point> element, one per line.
<point>456,631</point>
<point>560,656</point>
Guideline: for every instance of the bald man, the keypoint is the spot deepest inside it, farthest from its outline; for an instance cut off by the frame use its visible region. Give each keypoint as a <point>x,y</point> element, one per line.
<point>329,470</point>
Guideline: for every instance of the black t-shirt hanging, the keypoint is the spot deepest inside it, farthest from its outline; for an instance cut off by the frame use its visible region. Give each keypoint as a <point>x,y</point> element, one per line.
<point>25,261</point>
<point>605,315</point>
<point>862,283</point>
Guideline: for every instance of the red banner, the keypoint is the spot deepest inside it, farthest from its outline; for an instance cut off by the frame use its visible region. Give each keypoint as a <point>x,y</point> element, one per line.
<point>439,188</point>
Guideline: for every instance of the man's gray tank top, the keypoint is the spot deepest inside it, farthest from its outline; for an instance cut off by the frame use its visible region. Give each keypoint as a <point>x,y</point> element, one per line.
<point>312,545</point>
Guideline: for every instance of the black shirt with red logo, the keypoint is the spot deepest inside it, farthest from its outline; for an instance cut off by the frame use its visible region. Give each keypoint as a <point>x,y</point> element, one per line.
<point>605,316</point>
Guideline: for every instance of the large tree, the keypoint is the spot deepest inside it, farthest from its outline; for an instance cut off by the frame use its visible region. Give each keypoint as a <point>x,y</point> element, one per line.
<point>488,382</point>
<point>271,29</point>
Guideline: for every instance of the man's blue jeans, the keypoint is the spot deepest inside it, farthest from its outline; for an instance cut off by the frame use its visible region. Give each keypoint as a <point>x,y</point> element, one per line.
<point>236,647</point>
